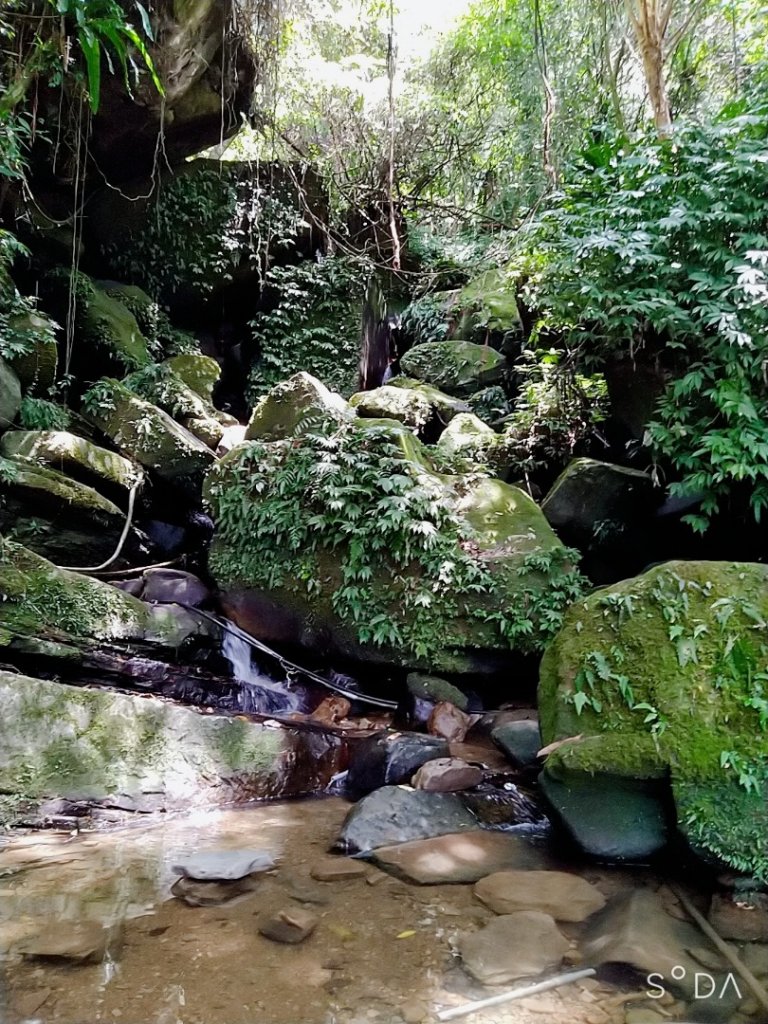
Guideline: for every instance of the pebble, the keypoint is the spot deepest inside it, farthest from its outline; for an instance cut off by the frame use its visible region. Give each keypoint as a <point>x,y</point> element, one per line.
<point>291,926</point>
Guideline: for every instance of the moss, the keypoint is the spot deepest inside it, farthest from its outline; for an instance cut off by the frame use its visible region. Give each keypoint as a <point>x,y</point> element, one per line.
<point>444,406</point>
<point>199,372</point>
<point>489,300</point>
<point>408,407</point>
<point>458,367</point>
<point>676,656</point>
<point>41,600</point>
<point>144,431</point>
<point>355,533</point>
<point>76,455</point>
<point>35,368</point>
<point>300,403</point>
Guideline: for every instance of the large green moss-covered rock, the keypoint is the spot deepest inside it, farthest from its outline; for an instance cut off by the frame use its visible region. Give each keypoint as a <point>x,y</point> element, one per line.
<point>36,367</point>
<point>39,600</point>
<point>10,396</point>
<point>489,301</point>
<point>199,372</point>
<point>458,367</point>
<point>107,338</point>
<point>147,433</point>
<point>406,406</point>
<point>664,676</point>
<point>162,386</point>
<point>445,407</point>
<point>300,403</point>
<point>58,517</point>
<point>107,472</point>
<point>356,544</point>
<point>466,433</point>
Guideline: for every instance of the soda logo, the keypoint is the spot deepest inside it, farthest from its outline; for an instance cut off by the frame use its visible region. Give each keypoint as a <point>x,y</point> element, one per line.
<point>705,986</point>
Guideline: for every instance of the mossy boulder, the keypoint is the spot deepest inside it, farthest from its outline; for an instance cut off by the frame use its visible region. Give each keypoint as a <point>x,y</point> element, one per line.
<point>444,407</point>
<point>489,301</point>
<point>58,517</point>
<point>107,338</point>
<point>43,601</point>
<point>94,745</point>
<point>162,386</point>
<point>457,367</point>
<point>35,368</point>
<point>110,474</point>
<point>660,677</point>
<point>199,372</point>
<point>590,495</point>
<point>406,406</point>
<point>300,403</point>
<point>10,396</point>
<point>466,433</point>
<point>354,544</point>
<point>147,434</point>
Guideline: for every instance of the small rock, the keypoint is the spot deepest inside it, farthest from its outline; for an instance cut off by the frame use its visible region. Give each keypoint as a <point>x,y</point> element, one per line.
<point>397,814</point>
<point>303,891</point>
<point>224,865</point>
<point>461,857</point>
<point>289,926</point>
<point>643,1015</point>
<point>743,917</point>
<point>564,897</point>
<point>331,710</point>
<point>211,894</point>
<point>338,869</point>
<point>390,758</point>
<point>414,1011</point>
<point>520,741</point>
<point>449,722</point>
<point>173,586</point>
<point>513,946</point>
<point>447,775</point>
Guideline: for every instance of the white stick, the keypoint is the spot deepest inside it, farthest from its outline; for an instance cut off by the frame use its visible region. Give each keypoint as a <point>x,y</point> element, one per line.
<point>516,993</point>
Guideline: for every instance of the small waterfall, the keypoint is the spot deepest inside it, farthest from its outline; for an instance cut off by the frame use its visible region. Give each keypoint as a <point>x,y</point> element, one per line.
<point>257,692</point>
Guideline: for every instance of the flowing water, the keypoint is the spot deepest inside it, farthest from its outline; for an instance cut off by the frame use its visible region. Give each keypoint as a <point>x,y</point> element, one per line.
<point>258,692</point>
<point>383,950</point>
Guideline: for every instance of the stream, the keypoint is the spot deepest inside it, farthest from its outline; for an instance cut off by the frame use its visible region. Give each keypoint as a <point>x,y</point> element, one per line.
<point>382,950</point>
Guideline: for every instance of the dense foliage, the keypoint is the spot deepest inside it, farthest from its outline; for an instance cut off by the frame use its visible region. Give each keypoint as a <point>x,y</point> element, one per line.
<point>660,248</point>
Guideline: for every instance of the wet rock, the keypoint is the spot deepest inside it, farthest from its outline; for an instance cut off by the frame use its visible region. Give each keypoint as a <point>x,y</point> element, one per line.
<point>172,586</point>
<point>564,897</point>
<point>608,816</point>
<point>480,754</point>
<point>634,930</point>
<point>397,814</point>
<point>338,869</point>
<point>224,865</point>
<point>513,946</point>
<point>449,722</point>
<point>70,741</point>
<point>332,710</point>
<point>742,918</point>
<point>212,894</point>
<point>520,741</point>
<point>434,689</point>
<point>500,806</point>
<point>291,926</point>
<point>390,759</point>
<point>56,516</point>
<point>464,857</point>
<point>83,942</point>
<point>447,775</point>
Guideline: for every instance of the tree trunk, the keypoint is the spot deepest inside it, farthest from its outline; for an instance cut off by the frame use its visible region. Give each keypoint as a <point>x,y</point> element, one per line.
<point>653,65</point>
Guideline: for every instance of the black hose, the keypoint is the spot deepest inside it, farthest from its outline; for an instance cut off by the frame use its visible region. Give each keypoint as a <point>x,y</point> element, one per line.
<point>290,666</point>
